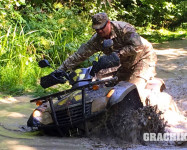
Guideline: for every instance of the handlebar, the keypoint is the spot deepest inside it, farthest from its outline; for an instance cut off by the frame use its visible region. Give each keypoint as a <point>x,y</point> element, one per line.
<point>60,76</point>
<point>46,98</point>
<point>56,77</point>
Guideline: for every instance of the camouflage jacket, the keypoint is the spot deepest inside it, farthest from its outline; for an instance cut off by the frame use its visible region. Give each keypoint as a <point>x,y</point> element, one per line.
<point>131,47</point>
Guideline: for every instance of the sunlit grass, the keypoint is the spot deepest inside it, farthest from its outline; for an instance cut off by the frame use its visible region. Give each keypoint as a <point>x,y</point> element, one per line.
<point>19,70</point>
<point>161,35</point>
<point>17,59</point>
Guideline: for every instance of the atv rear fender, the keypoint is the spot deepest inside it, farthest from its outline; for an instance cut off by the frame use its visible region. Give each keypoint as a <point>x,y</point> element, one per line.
<point>121,90</point>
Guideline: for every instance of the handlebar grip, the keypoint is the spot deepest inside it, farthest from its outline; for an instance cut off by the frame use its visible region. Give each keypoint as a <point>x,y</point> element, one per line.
<point>105,62</point>
<point>52,79</point>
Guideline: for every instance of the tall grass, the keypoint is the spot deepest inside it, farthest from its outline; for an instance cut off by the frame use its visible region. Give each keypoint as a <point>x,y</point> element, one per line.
<point>18,69</point>
<point>21,48</point>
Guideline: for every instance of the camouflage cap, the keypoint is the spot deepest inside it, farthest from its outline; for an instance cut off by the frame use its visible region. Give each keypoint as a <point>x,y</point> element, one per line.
<point>99,20</point>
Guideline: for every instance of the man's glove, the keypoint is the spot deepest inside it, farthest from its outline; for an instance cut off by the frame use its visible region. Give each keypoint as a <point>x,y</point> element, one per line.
<point>106,61</point>
<point>109,61</point>
<point>53,78</point>
<point>95,68</point>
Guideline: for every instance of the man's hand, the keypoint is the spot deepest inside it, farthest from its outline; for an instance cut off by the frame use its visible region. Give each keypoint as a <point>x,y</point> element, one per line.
<point>53,78</point>
<point>95,68</point>
<point>106,61</point>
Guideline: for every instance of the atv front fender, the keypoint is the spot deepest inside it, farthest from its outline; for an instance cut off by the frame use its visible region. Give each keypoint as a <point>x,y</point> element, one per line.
<point>122,89</point>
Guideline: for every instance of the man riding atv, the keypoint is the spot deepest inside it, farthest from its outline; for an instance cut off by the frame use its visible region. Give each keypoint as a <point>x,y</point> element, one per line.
<point>83,107</point>
<point>137,58</point>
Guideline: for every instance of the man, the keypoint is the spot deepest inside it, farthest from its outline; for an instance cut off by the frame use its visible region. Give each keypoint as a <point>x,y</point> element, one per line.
<point>136,54</point>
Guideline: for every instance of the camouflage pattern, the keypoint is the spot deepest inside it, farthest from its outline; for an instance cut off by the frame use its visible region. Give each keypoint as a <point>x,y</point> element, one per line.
<point>136,54</point>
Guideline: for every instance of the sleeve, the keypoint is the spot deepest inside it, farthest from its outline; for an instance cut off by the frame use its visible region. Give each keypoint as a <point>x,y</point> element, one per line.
<point>132,40</point>
<point>85,51</point>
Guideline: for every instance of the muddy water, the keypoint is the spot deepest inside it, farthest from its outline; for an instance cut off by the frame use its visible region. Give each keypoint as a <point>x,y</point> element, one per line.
<point>14,112</point>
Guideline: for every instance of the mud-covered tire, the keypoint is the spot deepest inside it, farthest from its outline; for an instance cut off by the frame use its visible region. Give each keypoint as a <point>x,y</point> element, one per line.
<point>131,125</point>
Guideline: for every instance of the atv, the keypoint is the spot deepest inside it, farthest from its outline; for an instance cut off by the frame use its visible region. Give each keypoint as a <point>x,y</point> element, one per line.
<point>94,93</point>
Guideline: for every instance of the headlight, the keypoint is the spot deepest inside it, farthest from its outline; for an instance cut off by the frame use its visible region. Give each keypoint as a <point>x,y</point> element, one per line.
<point>43,117</point>
<point>99,104</point>
<point>37,114</point>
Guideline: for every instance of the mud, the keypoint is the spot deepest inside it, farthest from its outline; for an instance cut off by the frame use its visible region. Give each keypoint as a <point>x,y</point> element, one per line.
<point>171,67</point>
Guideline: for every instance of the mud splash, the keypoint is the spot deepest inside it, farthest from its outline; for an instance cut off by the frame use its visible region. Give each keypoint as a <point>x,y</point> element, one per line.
<point>172,67</point>
<point>129,126</point>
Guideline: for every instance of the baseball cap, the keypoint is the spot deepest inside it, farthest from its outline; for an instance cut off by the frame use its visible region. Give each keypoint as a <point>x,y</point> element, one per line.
<point>99,20</point>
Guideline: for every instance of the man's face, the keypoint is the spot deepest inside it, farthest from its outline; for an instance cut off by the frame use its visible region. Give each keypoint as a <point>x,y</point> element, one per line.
<point>105,31</point>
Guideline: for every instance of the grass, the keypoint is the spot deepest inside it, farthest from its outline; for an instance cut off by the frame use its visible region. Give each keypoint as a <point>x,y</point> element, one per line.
<point>20,52</point>
<point>161,35</point>
<point>17,60</point>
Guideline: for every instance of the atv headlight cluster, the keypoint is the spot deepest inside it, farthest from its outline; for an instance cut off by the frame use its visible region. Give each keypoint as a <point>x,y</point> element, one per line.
<point>43,117</point>
<point>37,114</point>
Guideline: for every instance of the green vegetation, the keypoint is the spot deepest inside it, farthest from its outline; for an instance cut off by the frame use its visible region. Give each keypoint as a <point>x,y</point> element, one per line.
<point>36,29</point>
<point>161,35</point>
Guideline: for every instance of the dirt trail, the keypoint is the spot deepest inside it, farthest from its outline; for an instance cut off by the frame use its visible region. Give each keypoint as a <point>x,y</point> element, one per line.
<point>171,67</point>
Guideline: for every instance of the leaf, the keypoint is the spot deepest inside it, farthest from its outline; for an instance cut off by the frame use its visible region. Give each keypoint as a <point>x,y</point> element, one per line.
<point>17,4</point>
<point>22,1</point>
